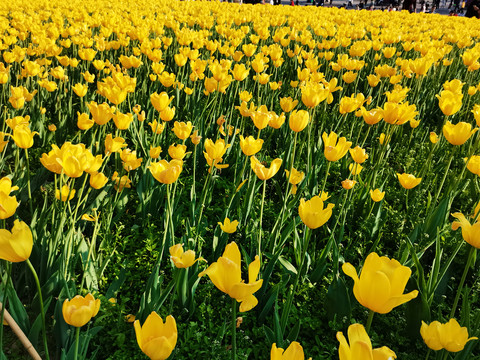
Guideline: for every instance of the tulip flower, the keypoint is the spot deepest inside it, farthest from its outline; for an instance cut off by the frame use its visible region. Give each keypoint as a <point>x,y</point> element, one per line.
<point>122,121</point>
<point>377,195</point>
<point>226,276</point>
<point>182,130</point>
<point>8,204</point>
<point>470,233</point>
<point>182,259</point>
<point>360,347</point>
<point>65,194</point>
<point>473,164</point>
<point>263,172</point>
<point>160,101</point>
<point>216,150</point>
<point>78,311</point>
<point>250,146</point>
<point>299,120</point>
<point>195,137</point>
<point>16,246</point>
<point>98,180</point>
<point>433,137</point>
<point>408,181</point>
<point>335,150</point>
<point>156,338</point>
<point>84,122</point>
<point>449,336</point>
<point>228,226</point>
<point>312,212</point>
<point>80,89</point>
<point>167,114</point>
<point>381,283</point>
<point>358,154</point>
<point>458,134</point>
<point>288,104</point>
<point>293,352</point>
<point>101,113</point>
<point>177,151</point>
<point>348,184</point>
<point>449,102</point>
<point>295,178</point>
<point>166,172</point>
<point>23,136</point>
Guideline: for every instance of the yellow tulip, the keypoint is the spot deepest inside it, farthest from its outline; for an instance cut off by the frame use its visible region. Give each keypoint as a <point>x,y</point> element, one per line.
<point>358,154</point>
<point>381,283</point>
<point>157,127</point>
<point>470,233</point>
<point>449,102</point>
<point>182,130</point>
<point>476,113</point>
<point>312,212</point>
<point>299,120</point>
<point>335,151</point>
<point>293,352</point>
<point>80,89</point>
<point>98,180</point>
<point>84,122</point>
<point>160,101</point>
<point>433,137</point>
<point>166,172</point>
<point>227,277</point>
<point>177,151</point>
<point>23,136</point>
<point>122,121</point>
<point>263,172</point>
<point>216,150</point>
<point>182,259</point>
<point>8,204</point>
<point>449,336</point>
<point>250,146</point>
<point>65,193</point>
<point>228,226</point>
<point>408,181</point>
<point>377,195</point>
<point>348,184</point>
<point>167,114</point>
<point>288,104</point>
<point>101,113</point>
<point>78,311</point>
<point>113,144</point>
<point>360,347</point>
<point>458,134</point>
<point>195,137</point>
<point>16,246</point>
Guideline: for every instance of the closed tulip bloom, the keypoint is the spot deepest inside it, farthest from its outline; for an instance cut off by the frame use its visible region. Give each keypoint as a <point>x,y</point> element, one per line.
<point>182,259</point>
<point>78,311</point>
<point>470,233</point>
<point>288,104</point>
<point>228,226</point>
<point>98,180</point>
<point>261,117</point>
<point>155,338</point>
<point>227,277</point>
<point>80,89</point>
<point>358,154</point>
<point>449,102</point>
<point>314,94</point>
<point>476,113</point>
<point>239,72</point>
<point>177,151</point>
<point>360,347</point>
<point>458,134</point>
<point>348,184</point>
<point>377,195</point>
<point>65,194</point>
<point>84,122</point>
<point>16,246</point>
<point>312,212</point>
<point>335,150</point>
<point>166,172</point>
<point>122,121</point>
<point>8,204</point>
<point>299,120</point>
<point>263,172</point>
<point>167,114</point>
<point>450,336</point>
<point>250,146</point>
<point>23,136</point>
<point>182,130</point>
<point>381,283</point>
<point>160,101</point>
<point>293,352</point>
<point>473,164</point>
<point>408,181</point>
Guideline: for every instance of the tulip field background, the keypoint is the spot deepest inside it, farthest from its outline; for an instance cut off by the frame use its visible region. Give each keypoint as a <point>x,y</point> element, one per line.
<point>285,144</point>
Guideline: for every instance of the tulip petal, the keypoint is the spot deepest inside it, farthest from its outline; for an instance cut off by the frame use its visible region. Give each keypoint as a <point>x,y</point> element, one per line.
<point>159,348</point>
<point>294,352</point>
<point>383,353</point>
<point>344,352</point>
<point>373,290</point>
<point>399,300</point>
<point>253,269</point>
<point>241,291</point>
<point>357,332</point>
<point>233,253</point>
<point>361,350</point>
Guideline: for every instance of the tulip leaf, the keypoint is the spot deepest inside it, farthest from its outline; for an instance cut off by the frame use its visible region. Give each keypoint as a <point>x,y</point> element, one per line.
<point>16,308</point>
<point>293,334</point>
<point>271,298</point>
<point>116,284</point>
<point>337,303</point>
<point>287,265</point>
<point>36,327</point>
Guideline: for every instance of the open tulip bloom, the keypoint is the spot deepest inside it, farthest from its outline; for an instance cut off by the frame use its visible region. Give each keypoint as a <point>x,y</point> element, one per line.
<point>381,283</point>
<point>226,276</point>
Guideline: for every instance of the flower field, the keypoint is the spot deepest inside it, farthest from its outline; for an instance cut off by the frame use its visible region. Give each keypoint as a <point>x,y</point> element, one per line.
<point>212,180</point>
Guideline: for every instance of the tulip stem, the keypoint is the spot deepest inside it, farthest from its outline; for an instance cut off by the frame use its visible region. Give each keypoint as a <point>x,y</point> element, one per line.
<point>28,183</point>
<point>77,340</point>
<point>471,256</point>
<point>326,176</point>
<point>261,218</point>
<point>234,329</point>
<point>40,298</point>
<point>444,177</point>
<point>4,302</point>
<point>428,354</point>
<point>369,320</point>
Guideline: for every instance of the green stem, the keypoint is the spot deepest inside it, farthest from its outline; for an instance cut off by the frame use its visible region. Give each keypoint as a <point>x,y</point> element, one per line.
<point>40,298</point>
<point>369,320</point>
<point>428,354</point>
<point>444,177</point>
<point>471,255</point>
<point>326,176</point>
<point>77,340</point>
<point>4,304</point>
<point>234,329</point>
<point>28,183</point>
<point>261,218</point>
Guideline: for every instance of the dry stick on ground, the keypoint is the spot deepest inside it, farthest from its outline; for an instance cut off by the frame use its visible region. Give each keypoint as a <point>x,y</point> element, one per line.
<point>20,335</point>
